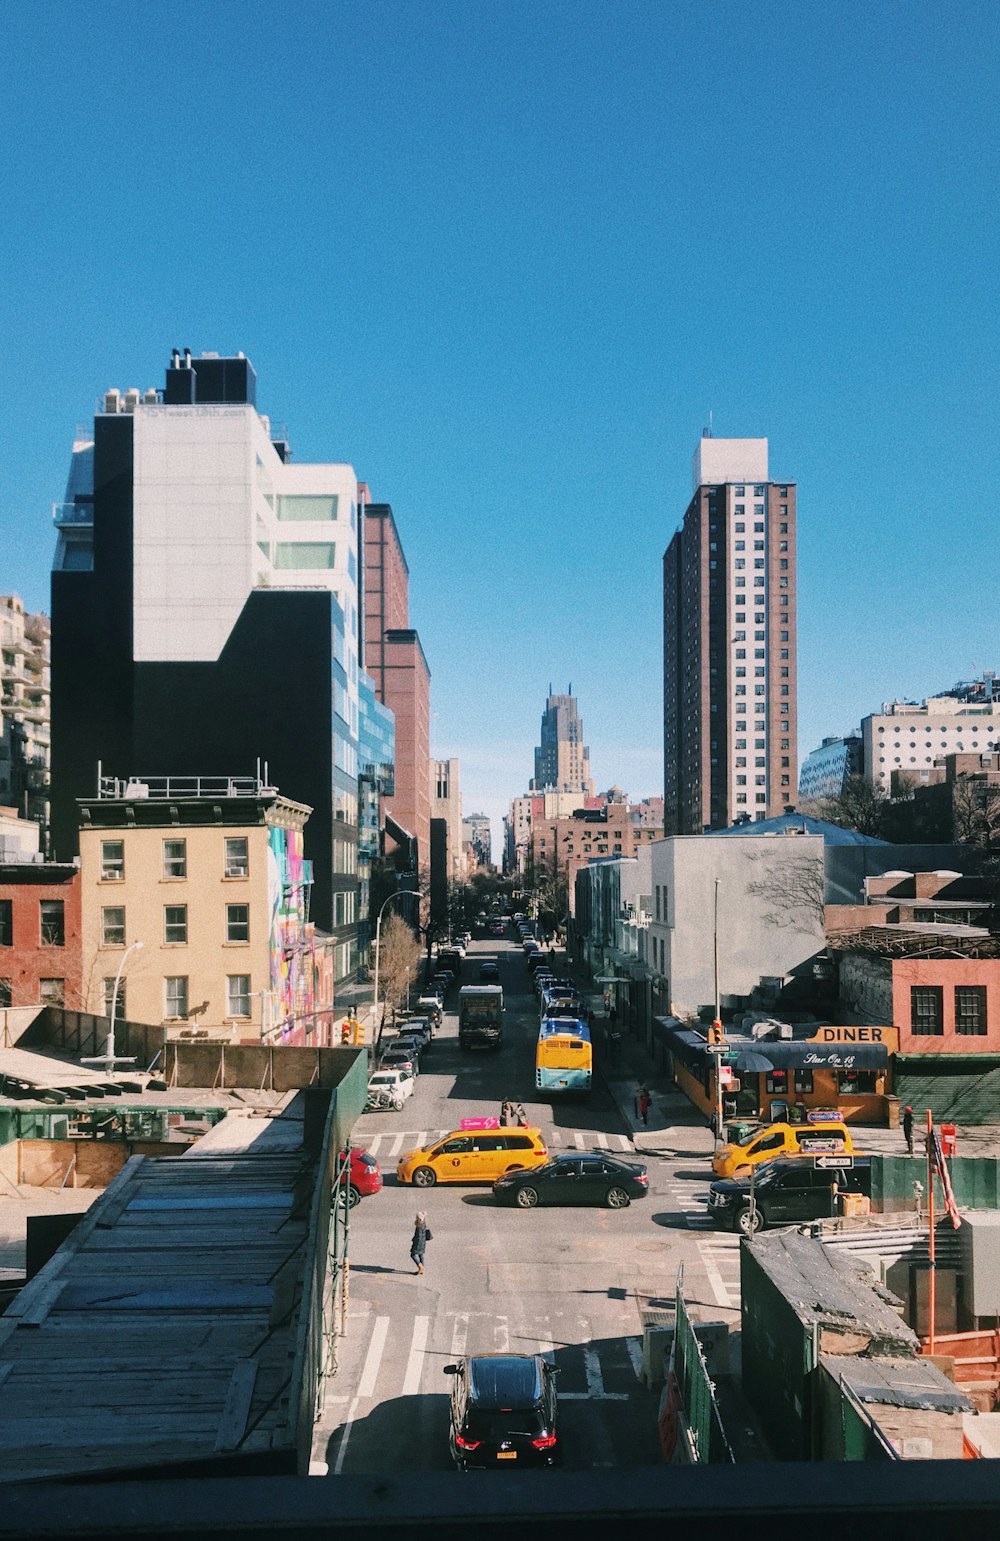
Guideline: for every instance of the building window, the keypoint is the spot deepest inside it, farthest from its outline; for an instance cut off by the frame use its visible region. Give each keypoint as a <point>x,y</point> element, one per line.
<point>307,506</point>
<point>759,492</point>
<point>970,1010</point>
<point>175,923</point>
<point>761,797</point>
<point>237,922</point>
<point>237,857</point>
<point>112,861</point>
<point>52,922</point>
<point>926,1010</point>
<point>175,995</point>
<point>6,995</point>
<point>238,995</point>
<point>175,858</point>
<point>861,1083</point>
<point>113,926</point>
<point>776,1082</point>
<point>305,556</point>
<point>803,1081</point>
<point>6,922</point>
<point>52,992</point>
<point>107,990</point>
<point>741,797</point>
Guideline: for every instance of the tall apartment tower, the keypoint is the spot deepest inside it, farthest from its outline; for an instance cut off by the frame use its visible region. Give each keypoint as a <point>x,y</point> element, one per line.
<point>562,760</point>
<point>205,614</point>
<point>395,660</point>
<point>729,641</point>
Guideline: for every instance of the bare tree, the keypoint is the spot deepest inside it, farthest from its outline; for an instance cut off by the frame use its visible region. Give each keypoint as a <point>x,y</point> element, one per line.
<point>975,806</point>
<point>399,959</point>
<point>862,805</point>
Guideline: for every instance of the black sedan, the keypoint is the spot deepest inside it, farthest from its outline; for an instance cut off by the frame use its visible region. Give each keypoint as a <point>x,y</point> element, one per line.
<point>503,1412</point>
<point>578,1179</point>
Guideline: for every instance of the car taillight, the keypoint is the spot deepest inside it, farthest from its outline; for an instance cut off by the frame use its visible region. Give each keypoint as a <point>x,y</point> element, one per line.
<point>467,1444</point>
<point>544,1441</point>
<point>641,1177</point>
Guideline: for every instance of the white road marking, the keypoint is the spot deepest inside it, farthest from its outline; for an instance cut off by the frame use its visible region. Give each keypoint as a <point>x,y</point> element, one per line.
<point>625,1142</point>
<point>634,1346</point>
<point>396,1147</point>
<point>345,1437</point>
<point>318,1469</point>
<point>373,1358</point>
<point>502,1335</point>
<point>716,1283</point>
<point>602,1141</point>
<point>578,1138</point>
<point>460,1335</point>
<point>415,1363</point>
<point>374,1143</point>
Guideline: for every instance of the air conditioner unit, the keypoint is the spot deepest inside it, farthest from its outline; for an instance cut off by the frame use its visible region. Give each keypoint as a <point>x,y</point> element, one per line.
<point>112,401</point>
<point>136,790</point>
<point>132,399</point>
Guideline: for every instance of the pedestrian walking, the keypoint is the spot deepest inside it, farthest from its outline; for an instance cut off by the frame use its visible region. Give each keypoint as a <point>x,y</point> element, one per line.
<point>421,1236</point>
<point>643,1102</point>
<point>612,1017</point>
<point>908,1128</point>
<point>521,1117</point>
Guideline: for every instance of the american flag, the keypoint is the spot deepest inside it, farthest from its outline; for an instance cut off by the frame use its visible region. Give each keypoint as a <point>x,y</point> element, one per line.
<point>941,1168</point>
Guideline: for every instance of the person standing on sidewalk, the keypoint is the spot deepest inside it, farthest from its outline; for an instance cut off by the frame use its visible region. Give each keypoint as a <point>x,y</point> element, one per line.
<point>908,1128</point>
<point>643,1103</point>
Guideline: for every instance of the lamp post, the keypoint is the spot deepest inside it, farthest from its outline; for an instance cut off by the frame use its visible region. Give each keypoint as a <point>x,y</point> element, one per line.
<point>402,894</point>
<point>108,1058</point>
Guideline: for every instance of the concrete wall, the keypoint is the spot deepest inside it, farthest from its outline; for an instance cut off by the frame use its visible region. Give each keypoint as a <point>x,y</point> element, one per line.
<point>770,917</point>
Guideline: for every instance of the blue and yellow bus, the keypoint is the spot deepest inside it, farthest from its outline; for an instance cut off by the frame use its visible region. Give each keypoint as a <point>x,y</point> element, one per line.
<point>564,1060</point>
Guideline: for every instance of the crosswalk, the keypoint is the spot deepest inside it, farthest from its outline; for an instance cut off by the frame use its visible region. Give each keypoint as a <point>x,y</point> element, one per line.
<point>719,1251</point>
<point>387,1145</point>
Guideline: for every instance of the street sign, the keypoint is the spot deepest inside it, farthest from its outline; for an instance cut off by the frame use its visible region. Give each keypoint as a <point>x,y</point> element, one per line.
<point>827,1163</point>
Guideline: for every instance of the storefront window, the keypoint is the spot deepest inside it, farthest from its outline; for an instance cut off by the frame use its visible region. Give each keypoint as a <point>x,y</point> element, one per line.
<point>803,1080</point>
<point>857,1082</point>
<point>777,1082</point>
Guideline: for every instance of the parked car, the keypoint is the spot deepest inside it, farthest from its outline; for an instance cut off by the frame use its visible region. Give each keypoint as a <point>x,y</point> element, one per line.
<point>399,1057</point>
<point>429,1006</point>
<point>392,1080</point>
<point>471,1156</point>
<point>786,1192</point>
<point>415,1027</point>
<point>575,1179</point>
<point>489,973</point>
<point>503,1411</point>
<point>361,1178</point>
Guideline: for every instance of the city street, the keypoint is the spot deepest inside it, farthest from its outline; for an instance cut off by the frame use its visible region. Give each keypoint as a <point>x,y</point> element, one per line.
<point>569,1283</point>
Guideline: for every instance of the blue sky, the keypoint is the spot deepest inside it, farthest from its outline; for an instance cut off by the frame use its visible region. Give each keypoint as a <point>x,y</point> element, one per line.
<point>504,258</point>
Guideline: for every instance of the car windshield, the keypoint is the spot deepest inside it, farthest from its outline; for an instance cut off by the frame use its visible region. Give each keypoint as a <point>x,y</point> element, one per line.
<point>504,1382</point>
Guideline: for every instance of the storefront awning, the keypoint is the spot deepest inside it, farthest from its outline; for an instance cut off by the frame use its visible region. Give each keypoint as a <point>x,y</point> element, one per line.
<point>788,1054</point>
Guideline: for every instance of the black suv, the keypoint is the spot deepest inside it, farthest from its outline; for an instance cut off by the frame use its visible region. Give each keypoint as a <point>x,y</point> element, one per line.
<point>786,1192</point>
<point>503,1411</point>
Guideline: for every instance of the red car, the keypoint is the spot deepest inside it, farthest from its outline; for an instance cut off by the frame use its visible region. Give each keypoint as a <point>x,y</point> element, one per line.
<point>365,1176</point>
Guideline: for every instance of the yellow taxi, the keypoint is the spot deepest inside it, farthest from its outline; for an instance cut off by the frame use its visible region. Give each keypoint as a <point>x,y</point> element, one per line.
<point>829,1138</point>
<point>472,1156</point>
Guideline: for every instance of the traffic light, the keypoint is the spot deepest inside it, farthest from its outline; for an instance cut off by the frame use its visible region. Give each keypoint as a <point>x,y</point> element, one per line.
<point>351,1031</point>
<point>715,1036</point>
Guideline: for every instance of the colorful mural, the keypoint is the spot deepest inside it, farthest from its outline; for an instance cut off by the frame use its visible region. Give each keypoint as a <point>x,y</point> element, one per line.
<point>293,962</point>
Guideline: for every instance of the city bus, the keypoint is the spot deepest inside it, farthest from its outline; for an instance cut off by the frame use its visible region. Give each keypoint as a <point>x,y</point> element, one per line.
<point>564,1059</point>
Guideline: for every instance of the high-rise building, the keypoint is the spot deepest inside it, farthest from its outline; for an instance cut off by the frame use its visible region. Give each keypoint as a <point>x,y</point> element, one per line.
<point>205,614</point>
<point>446,804</point>
<point>912,735</point>
<point>395,660</point>
<point>562,760</point>
<point>729,630</point>
<point>476,837</point>
<point>826,771</point>
<point>24,711</point>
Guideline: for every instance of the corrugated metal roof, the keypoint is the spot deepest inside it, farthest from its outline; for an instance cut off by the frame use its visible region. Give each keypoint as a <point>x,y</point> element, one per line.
<point>803,824</point>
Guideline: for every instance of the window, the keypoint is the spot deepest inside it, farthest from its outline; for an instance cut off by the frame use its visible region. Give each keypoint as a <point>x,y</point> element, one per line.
<point>175,995</point>
<point>307,506</point>
<point>107,990</point>
<point>237,857</point>
<point>52,992</point>
<point>860,1082</point>
<point>926,1010</point>
<point>113,926</point>
<point>112,861</point>
<point>760,761</point>
<point>761,797</point>
<point>784,638</point>
<point>741,652</point>
<point>741,690</point>
<point>776,1082</point>
<point>783,564</point>
<point>307,556</point>
<point>238,995</point>
<point>237,922</point>
<point>741,760</point>
<point>740,528</point>
<point>741,636</point>
<point>52,921</point>
<point>739,563</point>
<point>803,1081</point>
<point>741,797</point>
<point>970,1010</point>
<point>784,529</point>
<point>741,545</point>
<point>740,671</point>
<point>760,672</point>
<point>6,922</point>
<point>175,858</point>
<point>759,491</point>
<point>6,996</point>
<point>175,923</point>
<point>758,529</point>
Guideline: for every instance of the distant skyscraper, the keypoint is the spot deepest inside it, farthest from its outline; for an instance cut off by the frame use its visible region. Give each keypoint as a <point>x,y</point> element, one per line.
<point>476,834</point>
<point>446,804</point>
<point>729,629</point>
<point>562,760</point>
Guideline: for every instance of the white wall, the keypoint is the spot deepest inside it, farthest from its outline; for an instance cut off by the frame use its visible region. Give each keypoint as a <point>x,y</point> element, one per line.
<point>729,460</point>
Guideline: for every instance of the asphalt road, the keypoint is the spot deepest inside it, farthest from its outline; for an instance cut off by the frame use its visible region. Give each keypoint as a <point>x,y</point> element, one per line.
<point>570,1283</point>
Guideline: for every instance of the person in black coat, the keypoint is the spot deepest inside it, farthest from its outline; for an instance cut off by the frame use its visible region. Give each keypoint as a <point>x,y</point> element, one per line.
<point>421,1236</point>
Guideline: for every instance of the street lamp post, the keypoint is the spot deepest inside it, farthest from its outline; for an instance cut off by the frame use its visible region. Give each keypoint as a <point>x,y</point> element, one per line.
<point>402,894</point>
<point>108,1058</point>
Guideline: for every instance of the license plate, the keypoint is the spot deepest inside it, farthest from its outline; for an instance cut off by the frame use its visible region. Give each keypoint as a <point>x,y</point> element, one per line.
<point>506,1455</point>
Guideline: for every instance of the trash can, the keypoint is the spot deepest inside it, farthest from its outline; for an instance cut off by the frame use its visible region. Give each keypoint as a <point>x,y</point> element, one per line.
<point>949,1139</point>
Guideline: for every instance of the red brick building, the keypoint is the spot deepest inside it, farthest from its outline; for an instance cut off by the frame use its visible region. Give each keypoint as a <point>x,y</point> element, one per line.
<point>40,935</point>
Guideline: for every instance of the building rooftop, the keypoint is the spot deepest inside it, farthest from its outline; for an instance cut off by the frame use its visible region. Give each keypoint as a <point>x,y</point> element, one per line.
<point>801,824</point>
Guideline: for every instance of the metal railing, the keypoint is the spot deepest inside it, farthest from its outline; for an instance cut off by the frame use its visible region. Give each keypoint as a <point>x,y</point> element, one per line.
<point>158,787</point>
<point>72,514</point>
